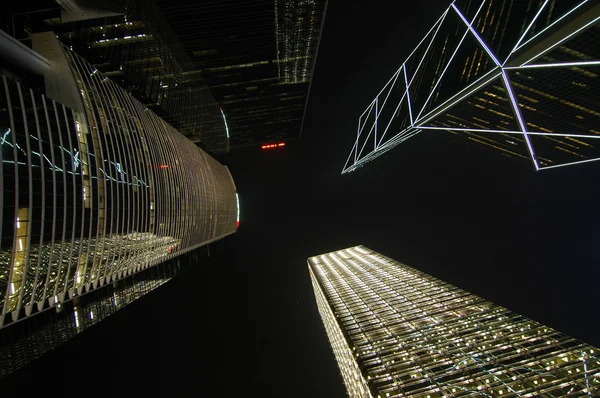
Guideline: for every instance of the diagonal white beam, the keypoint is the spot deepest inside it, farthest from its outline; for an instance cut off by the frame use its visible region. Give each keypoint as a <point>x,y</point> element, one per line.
<point>424,54</point>
<point>554,65</point>
<point>408,97</point>
<point>376,121</point>
<point>437,24</point>
<point>361,127</point>
<point>392,118</point>
<point>352,152</point>
<point>394,77</point>
<point>360,124</point>
<point>569,164</point>
<point>509,132</point>
<point>442,75</point>
<point>373,126</point>
<point>449,61</point>
<point>553,46</point>
<point>527,30</point>
<point>551,25</point>
<point>517,112</point>
<point>388,95</point>
<point>479,39</point>
<point>482,81</point>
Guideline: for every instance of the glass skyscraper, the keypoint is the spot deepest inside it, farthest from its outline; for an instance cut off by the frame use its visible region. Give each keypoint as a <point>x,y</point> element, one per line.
<point>94,185</point>
<point>518,76</point>
<point>397,332</point>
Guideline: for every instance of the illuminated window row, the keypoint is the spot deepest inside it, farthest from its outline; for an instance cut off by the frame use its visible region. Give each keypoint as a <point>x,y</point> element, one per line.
<point>413,335</point>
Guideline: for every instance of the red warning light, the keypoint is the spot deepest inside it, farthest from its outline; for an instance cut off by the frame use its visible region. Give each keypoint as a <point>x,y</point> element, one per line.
<point>269,146</point>
<point>164,166</point>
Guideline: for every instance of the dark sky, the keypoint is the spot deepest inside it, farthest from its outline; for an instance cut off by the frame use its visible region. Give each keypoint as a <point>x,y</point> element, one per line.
<point>244,323</point>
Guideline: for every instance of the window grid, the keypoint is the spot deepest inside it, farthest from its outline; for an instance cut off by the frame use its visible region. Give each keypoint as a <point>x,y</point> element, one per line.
<point>397,332</point>
<point>93,196</point>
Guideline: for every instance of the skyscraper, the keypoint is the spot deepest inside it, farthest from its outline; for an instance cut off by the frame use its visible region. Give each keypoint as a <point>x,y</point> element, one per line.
<point>226,74</point>
<point>95,186</point>
<point>397,332</point>
<point>520,77</point>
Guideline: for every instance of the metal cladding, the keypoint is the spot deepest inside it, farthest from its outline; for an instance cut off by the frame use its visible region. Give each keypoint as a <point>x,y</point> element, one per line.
<point>95,193</point>
<point>519,77</point>
<point>397,332</point>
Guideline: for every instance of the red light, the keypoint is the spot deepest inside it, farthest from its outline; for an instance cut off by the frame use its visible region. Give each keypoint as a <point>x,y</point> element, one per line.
<point>237,224</point>
<point>269,146</point>
<point>164,166</point>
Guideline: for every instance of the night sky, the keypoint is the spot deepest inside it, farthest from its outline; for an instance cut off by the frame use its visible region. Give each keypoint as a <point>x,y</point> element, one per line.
<point>245,322</point>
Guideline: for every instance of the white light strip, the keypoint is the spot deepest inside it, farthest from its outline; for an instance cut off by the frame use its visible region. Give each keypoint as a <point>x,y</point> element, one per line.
<point>368,136</point>
<point>422,59</point>
<point>584,27</point>
<point>391,119</point>
<point>443,72</point>
<point>225,121</point>
<point>408,96</point>
<point>394,77</point>
<point>465,92</point>
<point>355,146</point>
<point>395,110</point>
<point>479,39</point>
<point>370,130</point>
<point>517,111</point>
<point>373,128</point>
<point>386,97</point>
<point>508,132</point>
<point>366,110</point>
<point>556,65</point>
<point>377,112</point>
<point>551,25</point>
<point>437,23</point>
<point>527,30</point>
<point>370,109</point>
<point>569,164</point>
<point>237,201</point>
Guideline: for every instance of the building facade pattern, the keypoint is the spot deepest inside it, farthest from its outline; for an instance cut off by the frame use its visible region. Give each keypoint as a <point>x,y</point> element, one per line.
<point>257,58</point>
<point>138,50</point>
<point>397,332</point>
<point>517,76</point>
<point>28,340</point>
<point>92,196</point>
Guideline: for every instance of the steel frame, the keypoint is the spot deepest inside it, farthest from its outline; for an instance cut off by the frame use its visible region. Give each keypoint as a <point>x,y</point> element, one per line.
<point>420,121</point>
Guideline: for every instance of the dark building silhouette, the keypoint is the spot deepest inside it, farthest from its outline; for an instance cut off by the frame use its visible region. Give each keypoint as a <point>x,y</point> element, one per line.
<point>225,74</point>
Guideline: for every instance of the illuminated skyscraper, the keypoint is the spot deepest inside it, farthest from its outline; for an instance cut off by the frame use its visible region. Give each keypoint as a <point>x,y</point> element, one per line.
<point>95,186</point>
<point>518,76</point>
<point>397,332</point>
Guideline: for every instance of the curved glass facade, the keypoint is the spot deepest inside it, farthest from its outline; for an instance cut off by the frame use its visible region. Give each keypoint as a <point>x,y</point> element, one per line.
<point>89,197</point>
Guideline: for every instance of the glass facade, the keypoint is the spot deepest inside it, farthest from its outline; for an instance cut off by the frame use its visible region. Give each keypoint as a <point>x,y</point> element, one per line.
<point>516,76</point>
<point>257,59</point>
<point>28,340</point>
<point>397,332</point>
<point>138,50</point>
<point>93,194</point>
<point>226,74</point>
